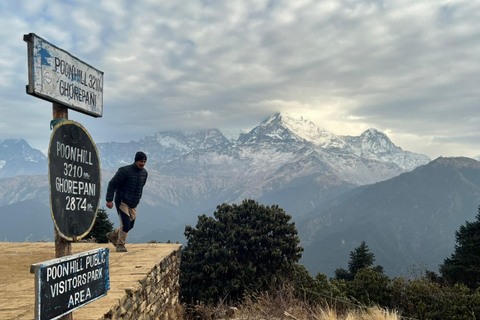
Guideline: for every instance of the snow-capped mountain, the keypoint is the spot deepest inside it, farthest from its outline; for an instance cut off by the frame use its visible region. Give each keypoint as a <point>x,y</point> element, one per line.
<point>285,160</point>
<point>375,145</point>
<point>18,158</point>
<point>370,145</point>
<point>291,127</point>
<point>161,146</point>
<point>368,158</point>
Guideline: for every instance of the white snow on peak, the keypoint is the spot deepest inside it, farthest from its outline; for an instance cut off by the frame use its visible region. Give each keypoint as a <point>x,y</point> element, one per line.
<point>169,141</point>
<point>301,126</point>
<point>232,134</point>
<point>372,132</point>
<point>211,134</point>
<point>307,130</point>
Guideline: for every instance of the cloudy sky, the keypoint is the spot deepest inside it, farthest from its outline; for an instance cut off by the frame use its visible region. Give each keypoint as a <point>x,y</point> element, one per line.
<point>410,68</point>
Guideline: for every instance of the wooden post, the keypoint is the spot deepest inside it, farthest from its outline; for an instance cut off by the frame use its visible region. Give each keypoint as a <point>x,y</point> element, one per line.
<point>38,51</point>
<point>59,111</point>
<point>62,247</point>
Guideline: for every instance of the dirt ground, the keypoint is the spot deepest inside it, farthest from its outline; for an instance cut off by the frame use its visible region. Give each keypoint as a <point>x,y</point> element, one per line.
<point>17,287</point>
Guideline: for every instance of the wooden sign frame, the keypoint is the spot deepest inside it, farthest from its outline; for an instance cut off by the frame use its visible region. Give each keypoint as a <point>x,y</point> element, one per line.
<point>57,76</point>
<point>65,284</point>
<point>75,180</point>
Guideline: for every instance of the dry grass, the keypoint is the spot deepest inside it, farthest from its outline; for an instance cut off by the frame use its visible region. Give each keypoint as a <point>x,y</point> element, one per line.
<point>298,312</point>
<point>283,306</point>
<point>372,314</point>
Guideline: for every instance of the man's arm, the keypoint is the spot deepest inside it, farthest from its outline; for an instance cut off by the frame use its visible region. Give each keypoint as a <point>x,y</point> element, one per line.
<point>113,185</point>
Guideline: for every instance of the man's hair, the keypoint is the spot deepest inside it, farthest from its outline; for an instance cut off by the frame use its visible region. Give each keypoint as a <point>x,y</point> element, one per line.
<point>140,156</point>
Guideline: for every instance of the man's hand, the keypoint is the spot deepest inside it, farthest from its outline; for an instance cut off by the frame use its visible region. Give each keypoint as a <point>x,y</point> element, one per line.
<point>110,205</point>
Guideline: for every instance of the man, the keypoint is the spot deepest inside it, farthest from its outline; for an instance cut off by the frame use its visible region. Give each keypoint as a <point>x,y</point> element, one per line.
<point>127,185</point>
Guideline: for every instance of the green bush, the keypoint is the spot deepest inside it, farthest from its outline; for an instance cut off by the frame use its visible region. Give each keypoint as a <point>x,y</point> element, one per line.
<point>360,258</point>
<point>101,227</point>
<point>243,248</point>
<point>464,264</point>
<point>370,288</point>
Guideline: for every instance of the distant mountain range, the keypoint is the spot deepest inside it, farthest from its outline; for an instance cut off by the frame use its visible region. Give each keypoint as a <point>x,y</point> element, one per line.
<point>407,220</point>
<point>18,158</point>
<point>285,160</point>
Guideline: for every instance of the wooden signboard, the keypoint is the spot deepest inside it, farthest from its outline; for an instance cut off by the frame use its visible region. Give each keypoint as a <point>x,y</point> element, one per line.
<point>57,76</point>
<point>75,180</point>
<point>68,283</point>
<point>63,285</point>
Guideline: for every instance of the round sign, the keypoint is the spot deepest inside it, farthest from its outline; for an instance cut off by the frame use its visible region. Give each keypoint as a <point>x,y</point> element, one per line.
<point>75,180</point>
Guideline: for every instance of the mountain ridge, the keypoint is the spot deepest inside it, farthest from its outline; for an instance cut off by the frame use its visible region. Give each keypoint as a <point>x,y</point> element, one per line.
<point>408,220</point>
<point>286,160</point>
<point>18,158</point>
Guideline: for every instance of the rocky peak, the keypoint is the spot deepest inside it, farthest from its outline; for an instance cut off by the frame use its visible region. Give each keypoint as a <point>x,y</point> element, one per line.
<point>373,144</point>
<point>375,141</point>
<point>269,130</point>
<point>17,157</point>
<point>283,127</point>
<point>186,141</point>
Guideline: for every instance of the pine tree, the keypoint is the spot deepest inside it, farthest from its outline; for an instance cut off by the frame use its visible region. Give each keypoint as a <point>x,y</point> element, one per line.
<point>360,258</point>
<point>243,248</point>
<point>101,227</point>
<point>463,266</point>
<point>342,274</point>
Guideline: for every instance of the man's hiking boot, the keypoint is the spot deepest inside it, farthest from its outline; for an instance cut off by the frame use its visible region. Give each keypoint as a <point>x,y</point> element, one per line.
<point>112,238</point>
<point>121,248</point>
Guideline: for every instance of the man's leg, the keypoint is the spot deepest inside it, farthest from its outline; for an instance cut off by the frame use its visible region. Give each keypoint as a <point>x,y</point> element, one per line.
<point>133,215</point>
<point>122,231</point>
<point>112,236</point>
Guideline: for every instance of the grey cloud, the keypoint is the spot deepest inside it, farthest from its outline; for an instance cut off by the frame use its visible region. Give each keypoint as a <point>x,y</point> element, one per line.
<point>407,66</point>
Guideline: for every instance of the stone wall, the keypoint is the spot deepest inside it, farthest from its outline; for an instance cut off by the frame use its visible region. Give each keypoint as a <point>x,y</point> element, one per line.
<point>155,296</point>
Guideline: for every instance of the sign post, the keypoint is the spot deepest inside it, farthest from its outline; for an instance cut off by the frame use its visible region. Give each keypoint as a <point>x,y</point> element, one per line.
<point>62,247</point>
<point>57,76</point>
<point>65,284</point>
<point>75,180</point>
<point>74,168</point>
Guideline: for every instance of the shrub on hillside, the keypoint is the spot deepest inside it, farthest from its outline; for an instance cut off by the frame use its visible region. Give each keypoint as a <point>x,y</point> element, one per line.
<point>370,288</point>
<point>360,258</point>
<point>423,299</point>
<point>243,248</point>
<point>464,264</point>
<point>313,291</point>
